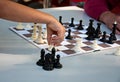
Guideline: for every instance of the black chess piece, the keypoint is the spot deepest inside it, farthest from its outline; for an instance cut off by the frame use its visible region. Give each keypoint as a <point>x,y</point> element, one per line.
<point>57,64</point>
<point>60,19</point>
<point>111,39</point>
<point>90,24</point>
<point>103,39</point>
<point>48,64</point>
<point>40,62</point>
<point>114,32</point>
<point>69,35</point>
<point>53,54</point>
<point>80,27</point>
<point>98,31</point>
<point>72,23</point>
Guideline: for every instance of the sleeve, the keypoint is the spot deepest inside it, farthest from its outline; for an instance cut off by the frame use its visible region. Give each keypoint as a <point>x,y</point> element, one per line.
<point>94,8</point>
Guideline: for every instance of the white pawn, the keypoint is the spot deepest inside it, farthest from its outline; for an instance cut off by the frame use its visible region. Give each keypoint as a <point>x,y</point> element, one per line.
<point>118,52</point>
<point>34,34</point>
<point>79,42</point>
<point>19,26</point>
<point>40,39</point>
<point>78,45</point>
<point>95,45</point>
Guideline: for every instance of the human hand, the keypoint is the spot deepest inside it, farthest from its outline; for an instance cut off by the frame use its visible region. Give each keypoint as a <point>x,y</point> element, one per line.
<point>55,33</point>
<point>109,18</point>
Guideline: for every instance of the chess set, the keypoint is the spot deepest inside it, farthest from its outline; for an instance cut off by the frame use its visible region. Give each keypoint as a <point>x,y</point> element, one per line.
<point>79,38</point>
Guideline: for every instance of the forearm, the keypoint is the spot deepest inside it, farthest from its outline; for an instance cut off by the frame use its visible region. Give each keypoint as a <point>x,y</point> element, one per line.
<point>17,12</point>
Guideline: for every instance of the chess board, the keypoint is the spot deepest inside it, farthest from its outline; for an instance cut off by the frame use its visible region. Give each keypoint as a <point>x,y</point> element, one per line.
<point>66,47</point>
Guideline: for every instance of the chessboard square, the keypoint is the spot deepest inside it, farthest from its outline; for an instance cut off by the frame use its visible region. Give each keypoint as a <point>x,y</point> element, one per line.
<point>76,36</point>
<point>27,35</point>
<point>118,42</point>
<point>87,48</point>
<point>18,29</point>
<point>88,43</point>
<point>44,46</point>
<point>71,41</point>
<point>83,35</point>
<point>83,31</point>
<point>23,32</point>
<point>114,45</point>
<point>30,30</point>
<point>69,46</point>
<point>68,52</point>
<point>77,32</point>
<point>62,48</point>
<point>104,45</point>
<point>65,42</point>
<point>61,54</point>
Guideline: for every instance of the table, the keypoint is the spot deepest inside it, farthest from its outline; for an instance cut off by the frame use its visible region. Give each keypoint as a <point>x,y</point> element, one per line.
<point>18,57</point>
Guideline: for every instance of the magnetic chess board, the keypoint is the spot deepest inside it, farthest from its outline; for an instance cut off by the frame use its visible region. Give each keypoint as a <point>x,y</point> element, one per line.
<point>66,47</point>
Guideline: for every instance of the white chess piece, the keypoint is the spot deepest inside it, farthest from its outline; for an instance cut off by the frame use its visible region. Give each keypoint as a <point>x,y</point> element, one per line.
<point>28,26</point>
<point>45,34</point>
<point>78,46</point>
<point>40,39</point>
<point>118,52</point>
<point>19,26</point>
<point>34,34</point>
<point>95,45</point>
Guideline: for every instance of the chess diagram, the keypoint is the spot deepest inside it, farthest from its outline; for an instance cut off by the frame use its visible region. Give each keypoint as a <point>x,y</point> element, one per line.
<point>79,38</point>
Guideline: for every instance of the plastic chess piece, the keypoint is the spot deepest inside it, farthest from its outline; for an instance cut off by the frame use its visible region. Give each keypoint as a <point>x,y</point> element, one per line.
<point>69,35</point>
<point>80,27</point>
<point>40,39</point>
<point>60,19</point>
<point>40,62</point>
<point>53,53</point>
<point>48,64</point>
<point>103,39</point>
<point>57,64</point>
<point>118,52</point>
<point>114,30</point>
<point>98,31</point>
<point>19,26</point>
<point>111,39</point>
<point>34,34</point>
<point>72,23</point>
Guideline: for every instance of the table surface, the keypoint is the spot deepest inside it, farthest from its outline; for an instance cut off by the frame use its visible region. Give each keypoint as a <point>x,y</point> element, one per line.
<point>18,57</point>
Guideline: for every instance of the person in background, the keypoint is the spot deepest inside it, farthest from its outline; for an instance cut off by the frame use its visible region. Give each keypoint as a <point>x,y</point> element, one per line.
<point>13,11</point>
<point>79,3</point>
<point>106,11</point>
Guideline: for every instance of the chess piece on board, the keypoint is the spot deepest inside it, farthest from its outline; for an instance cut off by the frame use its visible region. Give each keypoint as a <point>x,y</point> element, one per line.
<point>80,26</point>
<point>69,35</point>
<point>40,62</point>
<point>118,51</point>
<point>60,19</point>
<point>39,40</point>
<point>34,34</point>
<point>48,64</point>
<point>57,63</point>
<point>72,23</point>
<point>19,26</point>
<point>111,39</point>
<point>103,39</point>
<point>98,31</point>
<point>114,30</point>
<point>95,45</point>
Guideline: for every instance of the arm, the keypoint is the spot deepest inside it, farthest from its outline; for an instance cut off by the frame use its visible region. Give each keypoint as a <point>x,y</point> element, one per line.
<point>16,12</point>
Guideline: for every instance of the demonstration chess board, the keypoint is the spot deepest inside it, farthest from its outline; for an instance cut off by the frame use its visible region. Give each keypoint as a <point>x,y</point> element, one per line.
<point>66,48</point>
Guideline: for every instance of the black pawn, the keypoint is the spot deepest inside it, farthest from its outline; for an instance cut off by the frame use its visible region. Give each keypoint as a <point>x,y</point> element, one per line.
<point>69,35</point>
<point>103,39</point>
<point>48,64</point>
<point>72,23</point>
<point>40,62</point>
<point>80,27</point>
<point>98,31</point>
<point>111,39</point>
<point>57,64</point>
<point>60,19</point>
